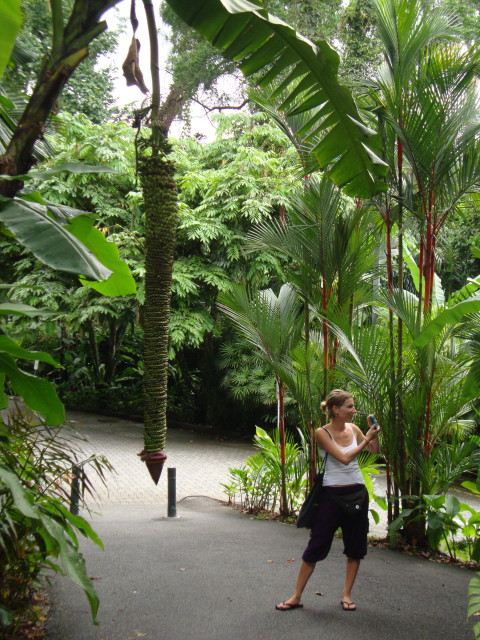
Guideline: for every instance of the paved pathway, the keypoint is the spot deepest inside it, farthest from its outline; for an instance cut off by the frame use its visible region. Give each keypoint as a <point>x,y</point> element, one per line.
<point>215,574</point>
<point>201,461</point>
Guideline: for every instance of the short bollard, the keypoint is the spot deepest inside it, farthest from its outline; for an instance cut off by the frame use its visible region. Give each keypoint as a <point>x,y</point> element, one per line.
<point>172,493</point>
<point>75,490</point>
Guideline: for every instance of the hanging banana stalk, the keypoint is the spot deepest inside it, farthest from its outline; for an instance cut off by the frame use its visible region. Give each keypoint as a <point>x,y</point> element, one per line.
<point>156,173</point>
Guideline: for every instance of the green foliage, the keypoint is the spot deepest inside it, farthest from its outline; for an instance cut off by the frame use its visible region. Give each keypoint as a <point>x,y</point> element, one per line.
<point>282,58</point>
<point>243,177</point>
<point>10,25</point>
<point>446,522</point>
<point>225,187</point>
<point>369,465</point>
<point>77,246</point>
<point>258,482</point>
<point>467,18</point>
<point>193,62</point>
<point>22,218</point>
<point>360,46</point>
<point>272,324</point>
<point>92,327</point>
<point>246,377</point>
<point>450,524</point>
<point>316,21</point>
<point>38,532</point>
<point>90,89</point>
<point>39,394</point>
<point>457,261</point>
<point>113,197</point>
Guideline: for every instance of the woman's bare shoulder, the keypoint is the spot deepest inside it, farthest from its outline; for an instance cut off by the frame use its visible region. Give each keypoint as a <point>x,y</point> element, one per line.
<point>322,429</point>
<point>356,429</point>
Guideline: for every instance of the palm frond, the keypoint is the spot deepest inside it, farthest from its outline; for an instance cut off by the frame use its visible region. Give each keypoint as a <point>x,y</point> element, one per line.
<point>406,28</point>
<point>272,324</point>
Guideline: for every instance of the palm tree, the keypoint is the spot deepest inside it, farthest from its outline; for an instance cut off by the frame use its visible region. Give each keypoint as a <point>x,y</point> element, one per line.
<point>426,95</point>
<point>328,247</point>
<point>273,325</point>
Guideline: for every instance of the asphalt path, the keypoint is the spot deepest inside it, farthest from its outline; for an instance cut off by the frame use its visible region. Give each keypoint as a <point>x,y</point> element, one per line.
<point>214,573</point>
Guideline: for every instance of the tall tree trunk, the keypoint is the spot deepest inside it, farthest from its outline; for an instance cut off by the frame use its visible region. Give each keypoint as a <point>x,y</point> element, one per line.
<point>172,106</point>
<point>310,422</point>
<point>69,48</point>
<point>393,507</point>
<point>402,461</point>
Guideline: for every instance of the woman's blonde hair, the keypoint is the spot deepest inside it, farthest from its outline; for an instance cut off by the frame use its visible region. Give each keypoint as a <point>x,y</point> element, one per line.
<point>335,398</point>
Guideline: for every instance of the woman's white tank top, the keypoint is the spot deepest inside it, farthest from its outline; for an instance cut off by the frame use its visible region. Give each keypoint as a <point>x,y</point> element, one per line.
<point>337,473</point>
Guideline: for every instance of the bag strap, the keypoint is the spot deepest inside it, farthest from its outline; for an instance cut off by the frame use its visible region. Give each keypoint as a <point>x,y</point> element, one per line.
<point>326,452</point>
<point>328,434</point>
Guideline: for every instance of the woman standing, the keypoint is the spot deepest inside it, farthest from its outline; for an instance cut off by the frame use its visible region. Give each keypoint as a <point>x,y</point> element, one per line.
<point>342,442</point>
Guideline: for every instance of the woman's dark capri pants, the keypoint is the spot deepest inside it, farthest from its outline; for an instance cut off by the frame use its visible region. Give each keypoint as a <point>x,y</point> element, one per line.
<point>330,517</point>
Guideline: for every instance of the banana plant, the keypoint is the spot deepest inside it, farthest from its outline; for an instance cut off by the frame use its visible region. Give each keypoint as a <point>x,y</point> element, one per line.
<point>304,74</point>
<point>64,238</point>
<point>9,27</point>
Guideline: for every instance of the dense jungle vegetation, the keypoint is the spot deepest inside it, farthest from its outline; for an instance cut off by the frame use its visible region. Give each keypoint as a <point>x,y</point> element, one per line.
<point>326,237</point>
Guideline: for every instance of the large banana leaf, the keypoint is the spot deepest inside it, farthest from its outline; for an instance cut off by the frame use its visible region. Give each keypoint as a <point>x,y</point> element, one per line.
<point>276,56</point>
<point>33,226</point>
<point>77,248</point>
<point>7,345</point>
<point>449,316</point>
<point>38,394</point>
<point>10,23</point>
<point>70,167</point>
<point>121,282</point>
<point>19,309</point>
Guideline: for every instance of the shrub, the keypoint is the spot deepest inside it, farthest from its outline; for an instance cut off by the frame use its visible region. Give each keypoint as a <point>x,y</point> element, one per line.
<point>37,530</point>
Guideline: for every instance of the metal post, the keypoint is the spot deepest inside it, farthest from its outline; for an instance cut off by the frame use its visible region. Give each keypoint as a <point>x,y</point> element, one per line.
<point>172,492</point>
<point>75,491</point>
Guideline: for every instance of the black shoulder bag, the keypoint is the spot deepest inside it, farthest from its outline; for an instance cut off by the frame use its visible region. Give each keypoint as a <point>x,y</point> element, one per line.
<point>308,512</point>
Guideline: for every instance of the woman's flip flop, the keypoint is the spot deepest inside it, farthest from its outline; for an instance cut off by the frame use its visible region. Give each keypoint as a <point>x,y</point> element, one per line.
<point>286,606</point>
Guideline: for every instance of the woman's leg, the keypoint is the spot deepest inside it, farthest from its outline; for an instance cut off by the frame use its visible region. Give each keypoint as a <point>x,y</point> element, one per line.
<point>304,573</point>
<point>327,522</point>
<point>350,575</point>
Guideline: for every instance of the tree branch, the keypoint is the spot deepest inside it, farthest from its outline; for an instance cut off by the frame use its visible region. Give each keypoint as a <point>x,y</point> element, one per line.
<point>221,107</point>
<point>154,66</point>
<point>69,49</point>
<point>57,27</point>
